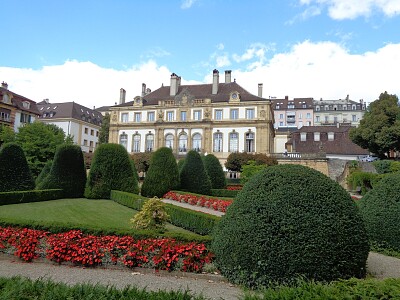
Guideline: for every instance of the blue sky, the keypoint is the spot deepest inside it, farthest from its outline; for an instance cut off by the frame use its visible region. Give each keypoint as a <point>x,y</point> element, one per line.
<point>86,50</point>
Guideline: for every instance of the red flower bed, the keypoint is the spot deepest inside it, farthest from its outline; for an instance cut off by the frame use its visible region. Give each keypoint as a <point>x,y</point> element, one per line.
<point>234,187</point>
<point>88,250</point>
<point>203,201</point>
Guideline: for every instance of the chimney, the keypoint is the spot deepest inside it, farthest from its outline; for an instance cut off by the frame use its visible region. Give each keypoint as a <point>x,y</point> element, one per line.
<point>347,98</point>
<point>215,82</point>
<point>4,85</point>
<point>286,97</point>
<point>260,88</point>
<point>228,76</point>
<point>174,84</point>
<point>122,94</point>
<point>143,89</point>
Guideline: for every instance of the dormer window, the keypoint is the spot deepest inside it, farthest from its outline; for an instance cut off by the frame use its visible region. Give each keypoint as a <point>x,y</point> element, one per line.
<point>234,96</point>
<point>316,136</point>
<point>303,136</point>
<point>26,104</point>
<point>331,136</point>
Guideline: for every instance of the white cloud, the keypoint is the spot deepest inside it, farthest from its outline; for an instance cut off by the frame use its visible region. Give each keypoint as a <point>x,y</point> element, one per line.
<point>186,4</point>
<point>222,61</point>
<point>220,46</point>
<point>351,9</point>
<point>255,51</point>
<point>311,11</point>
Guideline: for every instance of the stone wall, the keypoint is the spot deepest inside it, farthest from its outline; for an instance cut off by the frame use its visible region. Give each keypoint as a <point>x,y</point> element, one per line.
<point>316,164</point>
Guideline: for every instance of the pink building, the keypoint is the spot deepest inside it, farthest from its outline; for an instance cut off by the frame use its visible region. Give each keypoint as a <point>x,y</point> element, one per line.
<point>297,113</point>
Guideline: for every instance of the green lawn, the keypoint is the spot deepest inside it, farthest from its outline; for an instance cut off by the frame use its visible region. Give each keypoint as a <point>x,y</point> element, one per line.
<point>97,214</point>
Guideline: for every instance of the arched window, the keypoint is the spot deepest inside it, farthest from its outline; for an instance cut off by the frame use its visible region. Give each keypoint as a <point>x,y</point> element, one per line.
<point>250,142</point>
<point>183,143</point>
<point>196,142</point>
<point>233,142</point>
<point>218,142</point>
<point>136,143</point>
<point>169,141</point>
<point>149,142</point>
<point>123,140</point>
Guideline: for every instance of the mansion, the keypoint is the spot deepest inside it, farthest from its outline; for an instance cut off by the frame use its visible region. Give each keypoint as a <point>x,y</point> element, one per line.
<point>217,118</point>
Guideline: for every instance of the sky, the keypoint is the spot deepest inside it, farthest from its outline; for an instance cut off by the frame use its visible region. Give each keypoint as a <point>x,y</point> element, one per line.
<point>86,50</point>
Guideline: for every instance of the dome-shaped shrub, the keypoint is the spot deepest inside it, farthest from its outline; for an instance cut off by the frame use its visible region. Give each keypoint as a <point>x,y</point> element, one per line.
<point>194,177</point>
<point>380,209</point>
<point>214,171</point>
<point>290,221</point>
<point>111,169</point>
<point>15,174</point>
<point>67,172</point>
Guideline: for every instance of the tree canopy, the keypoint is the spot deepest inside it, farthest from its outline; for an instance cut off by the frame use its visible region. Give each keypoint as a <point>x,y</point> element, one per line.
<point>6,134</point>
<point>236,160</point>
<point>379,130</point>
<point>104,129</point>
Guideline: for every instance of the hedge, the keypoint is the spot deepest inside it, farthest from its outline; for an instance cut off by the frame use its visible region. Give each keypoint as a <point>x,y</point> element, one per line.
<point>224,193</point>
<point>195,221</point>
<point>30,196</point>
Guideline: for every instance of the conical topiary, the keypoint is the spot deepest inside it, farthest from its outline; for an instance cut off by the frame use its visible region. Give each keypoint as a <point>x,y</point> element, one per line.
<point>214,171</point>
<point>194,177</point>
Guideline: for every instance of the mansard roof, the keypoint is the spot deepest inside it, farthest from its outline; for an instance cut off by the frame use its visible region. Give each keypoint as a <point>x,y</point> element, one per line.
<point>18,100</point>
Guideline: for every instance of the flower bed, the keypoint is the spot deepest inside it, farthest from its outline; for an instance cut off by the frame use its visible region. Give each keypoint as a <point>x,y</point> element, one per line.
<point>89,250</point>
<point>236,187</point>
<point>203,201</point>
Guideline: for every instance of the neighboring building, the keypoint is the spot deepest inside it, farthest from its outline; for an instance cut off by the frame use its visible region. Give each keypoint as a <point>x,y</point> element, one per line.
<point>346,111</point>
<point>16,110</point>
<point>296,113</point>
<point>81,123</point>
<point>217,118</point>
<point>330,139</point>
<point>282,135</point>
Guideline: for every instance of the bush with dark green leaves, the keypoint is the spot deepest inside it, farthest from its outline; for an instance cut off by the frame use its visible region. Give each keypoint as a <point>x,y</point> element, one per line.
<point>290,221</point>
<point>380,209</point>
<point>15,174</point>
<point>44,173</point>
<point>163,174</point>
<point>181,162</point>
<point>365,181</point>
<point>194,177</point>
<point>67,172</point>
<point>214,171</point>
<point>111,169</point>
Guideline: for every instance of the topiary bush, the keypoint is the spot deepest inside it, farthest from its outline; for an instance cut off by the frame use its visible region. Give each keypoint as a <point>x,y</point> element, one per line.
<point>215,172</point>
<point>380,209</point>
<point>163,174</point>
<point>111,169</point>
<point>194,177</point>
<point>15,174</point>
<point>290,221</point>
<point>43,174</point>
<point>67,172</point>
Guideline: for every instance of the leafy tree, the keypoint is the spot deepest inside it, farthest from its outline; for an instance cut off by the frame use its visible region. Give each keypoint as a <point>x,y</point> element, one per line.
<point>194,177</point>
<point>249,170</point>
<point>14,171</point>
<point>104,129</point>
<point>235,161</point>
<point>7,134</point>
<point>379,130</point>
<point>39,142</point>
<point>152,215</point>
<point>163,174</point>
<point>142,161</point>
<point>214,171</point>
<point>67,172</point>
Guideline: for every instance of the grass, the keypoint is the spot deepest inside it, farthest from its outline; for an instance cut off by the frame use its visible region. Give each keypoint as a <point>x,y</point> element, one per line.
<point>96,214</point>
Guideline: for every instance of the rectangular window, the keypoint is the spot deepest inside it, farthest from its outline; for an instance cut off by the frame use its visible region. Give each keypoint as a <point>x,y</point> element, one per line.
<point>197,115</point>
<point>218,142</point>
<point>316,136</point>
<point>300,115</point>
<point>86,130</point>
<point>326,119</point>
<point>218,114</point>
<point>124,118</point>
<point>331,136</point>
<point>280,123</point>
<point>308,116</point>
<point>91,131</point>
<point>97,134</point>
<point>138,117</point>
<point>354,118</point>
<point>84,142</point>
<point>303,136</point>
<point>335,120</point>
<point>234,114</point>
<point>183,116</point>
<point>150,116</point>
<point>317,119</point>
<point>170,116</point>
<point>281,116</point>
<point>250,113</point>
<point>233,142</point>
<point>91,144</point>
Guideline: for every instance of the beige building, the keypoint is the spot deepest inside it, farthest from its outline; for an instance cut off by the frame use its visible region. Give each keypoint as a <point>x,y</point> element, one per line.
<point>217,118</point>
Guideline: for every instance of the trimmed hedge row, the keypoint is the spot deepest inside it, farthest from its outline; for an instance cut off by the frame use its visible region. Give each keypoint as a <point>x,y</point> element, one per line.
<point>197,222</point>
<point>183,192</point>
<point>223,193</point>
<point>30,196</point>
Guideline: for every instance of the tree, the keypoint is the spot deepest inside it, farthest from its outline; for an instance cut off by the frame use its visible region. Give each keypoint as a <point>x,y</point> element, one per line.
<point>194,177</point>
<point>235,161</point>
<point>163,174</point>
<point>44,173</point>
<point>249,170</point>
<point>379,130</point>
<point>104,129</point>
<point>67,172</point>
<point>6,134</point>
<point>14,171</point>
<point>39,142</point>
<point>142,161</point>
<point>214,171</point>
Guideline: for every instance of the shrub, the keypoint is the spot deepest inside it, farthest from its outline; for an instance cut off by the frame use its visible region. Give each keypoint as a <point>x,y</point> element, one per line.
<point>214,171</point>
<point>194,177</point>
<point>249,170</point>
<point>290,221</point>
<point>224,193</point>
<point>152,216</point>
<point>181,162</point>
<point>67,172</point>
<point>363,180</point>
<point>380,209</point>
<point>163,174</point>
<point>30,196</point>
<point>43,174</point>
<point>15,174</point>
<point>382,166</point>
<point>111,169</point>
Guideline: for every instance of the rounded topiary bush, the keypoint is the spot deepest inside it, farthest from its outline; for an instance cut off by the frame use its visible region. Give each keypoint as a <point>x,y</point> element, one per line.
<point>290,221</point>
<point>15,174</point>
<point>111,169</point>
<point>214,171</point>
<point>163,174</point>
<point>194,177</point>
<point>380,209</point>
<point>67,172</point>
